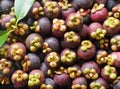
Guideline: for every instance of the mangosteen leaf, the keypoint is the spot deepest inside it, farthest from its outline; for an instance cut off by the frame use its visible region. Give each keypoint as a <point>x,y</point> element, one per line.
<point>22,7</point>
<point>3,36</point>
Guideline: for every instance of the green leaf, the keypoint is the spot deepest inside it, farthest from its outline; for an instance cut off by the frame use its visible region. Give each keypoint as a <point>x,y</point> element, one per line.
<point>3,36</point>
<point>22,7</point>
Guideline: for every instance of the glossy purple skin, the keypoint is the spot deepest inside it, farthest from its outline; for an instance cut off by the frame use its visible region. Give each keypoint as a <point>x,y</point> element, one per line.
<point>21,45</point>
<point>35,61</point>
<point>117,60</point>
<point>79,80</point>
<point>50,81</point>
<point>105,76</point>
<point>36,4</point>
<point>90,65</point>
<point>111,32</point>
<point>58,34</point>
<point>87,19</point>
<point>53,14</point>
<point>83,32</point>
<point>93,27</point>
<point>117,85</point>
<point>82,4</point>
<point>73,44</point>
<point>74,28</point>
<point>44,30</point>
<point>102,81</point>
<point>65,13</point>
<point>48,63</point>
<point>63,53</point>
<point>86,55</point>
<point>110,4</point>
<point>17,84</point>
<point>37,71</point>
<point>63,44</point>
<point>30,37</point>
<point>44,69</point>
<point>5,6</point>
<point>53,43</point>
<point>5,19</point>
<point>101,1</point>
<point>99,16</point>
<point>62,79</point>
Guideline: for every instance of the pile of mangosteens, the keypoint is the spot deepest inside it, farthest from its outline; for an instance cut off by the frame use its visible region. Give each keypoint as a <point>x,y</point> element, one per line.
<point>61,44</point>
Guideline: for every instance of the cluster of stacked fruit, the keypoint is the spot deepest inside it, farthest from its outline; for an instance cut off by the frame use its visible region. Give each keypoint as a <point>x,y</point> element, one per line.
<point>61,44</point>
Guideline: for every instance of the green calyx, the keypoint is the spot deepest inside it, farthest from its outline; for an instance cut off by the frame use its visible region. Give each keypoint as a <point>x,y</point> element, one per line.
<point>52,6</point>
<point>110,71</point>
<point>64,4</point>
<point>35,76</point>
<point>46,48</point>
<point>78,86</point>
<point>104,43</point>
<point>35,27</point>
<point>90,73</point>
<point>35,44</point>
<point>26,64</point>
<point>20,76</point>
<point>19,13</point>
<point>73,72</point>
<point>4,80</point>
<point>85,45</point>
<point>4,50</point>
<point>59,25</point>
<point>33,82</point>
<point>44,86</point>
<point>110,59</point>
<point>97,7</point>
<point>69,56</point>
<point>117,15</point>
<point>5,66</point>
<point>71,37</point>
<point>99,34</point>
<point>11,24</point>
<point>34,79</point>
<point>112,22</point>
<point>22,28</point>
<point>19,29</point>
<point>37,11</point>
<point>96,85</point>
<point>84,12</point>
<point>75,19</point>
<point>116,12</point>
<point>53,59</point>
<point>115,43</point>
<point>101,58</point>
<point>17,53</point>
